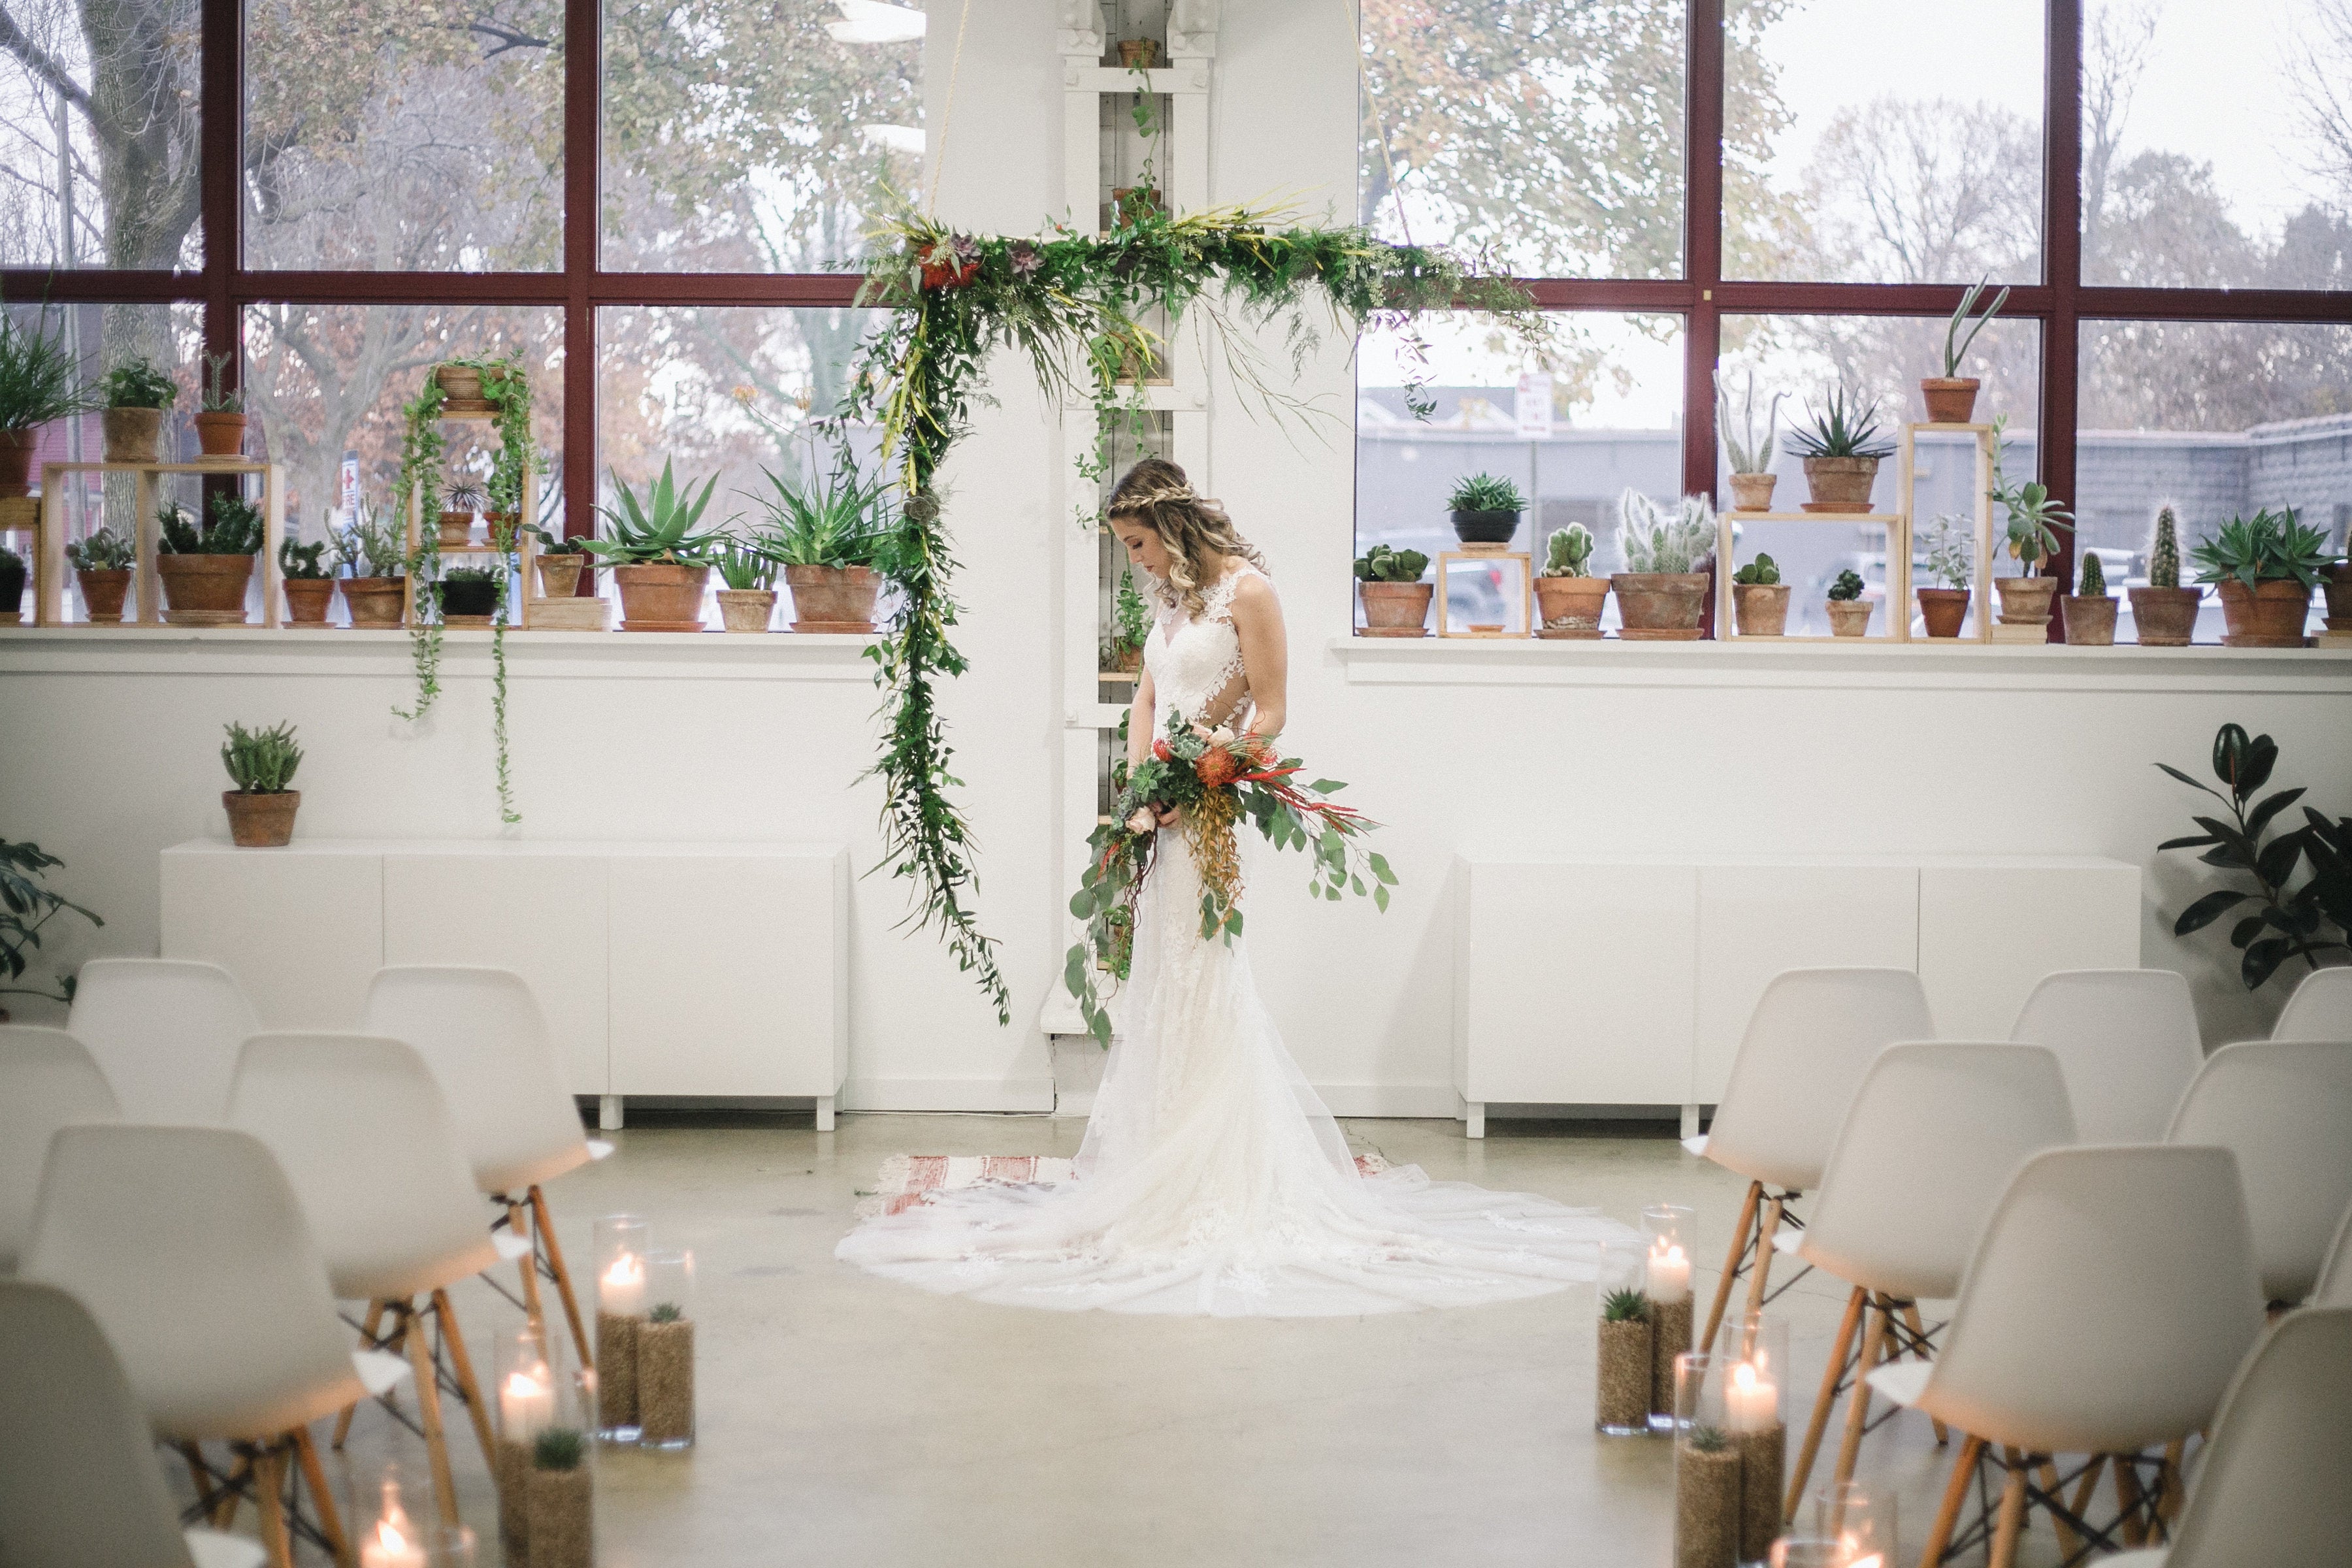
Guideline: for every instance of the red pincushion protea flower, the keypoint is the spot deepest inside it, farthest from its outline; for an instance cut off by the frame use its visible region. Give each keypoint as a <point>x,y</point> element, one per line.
<point>951,265</point>
<point>1160,749</point>
<point>1216,769</point>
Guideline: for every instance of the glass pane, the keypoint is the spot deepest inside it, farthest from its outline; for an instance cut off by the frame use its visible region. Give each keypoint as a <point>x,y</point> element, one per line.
<point>325,385</point>
<point>2183,187</point>
<point>387,138</point>
<point>1615,409</point>
<point>745,138</point>
<point>1883,142</point>
<point>75,78</point>
<point>1547,130</point>
<point>2217,419</point>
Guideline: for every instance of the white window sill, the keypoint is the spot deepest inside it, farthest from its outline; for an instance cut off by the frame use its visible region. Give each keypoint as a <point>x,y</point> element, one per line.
<point>465,653</point>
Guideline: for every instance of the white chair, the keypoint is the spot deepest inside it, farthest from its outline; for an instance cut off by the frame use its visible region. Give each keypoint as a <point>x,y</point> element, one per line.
<point>2335,1286</point>
<point>2104,1310</point>
<point>166,1032</point>
<point>188,1247</point>
<point>1812,1036</point>
<point>2285,1108</point>
<point>80,1487</point>
<point>2273,1491</point>
<point>2128,1041</point>
<point>481,1032</point>
<point>46,1081</point>
<point>1928,1146</point>
<point>359,1127</point>
<point>2320,1009</point>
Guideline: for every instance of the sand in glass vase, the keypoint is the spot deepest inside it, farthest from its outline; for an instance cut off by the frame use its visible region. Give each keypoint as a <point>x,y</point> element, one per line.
<point>536,1392</point>
<point>1668,1231</point>
<point>1623,1368</point>
<point>1859,1516</point>
<point>666,1354</point>
<point>1706,1467</point>
<point>620,1249</point>
<point>1753,1352</point>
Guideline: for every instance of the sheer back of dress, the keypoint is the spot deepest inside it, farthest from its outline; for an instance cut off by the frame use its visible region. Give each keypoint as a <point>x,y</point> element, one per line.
<point>1196,661</point>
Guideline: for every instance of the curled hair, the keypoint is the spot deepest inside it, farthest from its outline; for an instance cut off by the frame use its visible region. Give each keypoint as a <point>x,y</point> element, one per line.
<point>1195,528</point>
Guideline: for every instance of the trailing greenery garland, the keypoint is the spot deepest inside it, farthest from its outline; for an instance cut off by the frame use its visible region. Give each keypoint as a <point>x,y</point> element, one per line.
<point>1072,303</point>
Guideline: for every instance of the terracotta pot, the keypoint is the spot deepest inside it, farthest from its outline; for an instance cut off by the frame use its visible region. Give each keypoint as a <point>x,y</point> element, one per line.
<point>559,575</point>
<point>2090,619</point>
<point>1951,401</point>
<point>102,592</point>
<point>1661,606</point>
<point>2271,614</point>
<point>747,610</point>
<point>661,596</point>
<point>1761,608</point>
<point>204,590</point>
<point>376,601</point>
<point>2025,601</point>
<point>221,435</point>
<point>2165,618</point>
<point>261,821</point>
<point>17,462</point>
<point>1944,609</point>
<point>1840,484</point>
<point>307,599</point>
<point>1752,492</point>
<point>2337,582</point>
<point>1135,53</point>
<point>459,382</point>
<point>456,527</point>
<point>1570,606</point>
<point>1849,617</point>
<point>132,435</point>
<point>1129,203</point>
<point>1396,609</point>
<point>834,598</point>
<point>1128,660</point>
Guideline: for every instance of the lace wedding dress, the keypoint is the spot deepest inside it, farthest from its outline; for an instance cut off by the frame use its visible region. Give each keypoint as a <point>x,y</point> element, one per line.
<point>1212,1180</point>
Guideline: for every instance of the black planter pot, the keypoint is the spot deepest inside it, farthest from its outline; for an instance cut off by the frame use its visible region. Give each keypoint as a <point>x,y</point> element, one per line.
<point>1486,527</point>
<point>12,585</point>
<point>466,597</point>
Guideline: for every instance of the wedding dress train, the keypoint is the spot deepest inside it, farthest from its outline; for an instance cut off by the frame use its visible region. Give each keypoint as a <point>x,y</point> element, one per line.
<point>1212,1180</point>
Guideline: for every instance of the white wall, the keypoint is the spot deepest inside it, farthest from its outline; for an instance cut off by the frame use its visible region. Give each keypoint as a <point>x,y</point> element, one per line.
<point>108,742</point>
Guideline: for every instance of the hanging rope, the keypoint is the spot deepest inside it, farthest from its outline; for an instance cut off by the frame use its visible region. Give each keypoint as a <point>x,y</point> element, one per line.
<point>947,115</point>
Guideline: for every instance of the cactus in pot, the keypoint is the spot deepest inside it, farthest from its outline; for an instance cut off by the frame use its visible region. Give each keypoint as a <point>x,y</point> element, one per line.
<point>1849,612</point>
<point>1662,594</point>
<point>1569,597</point>
<point>1759,600</point>
<point>2090,611</point>
<point>1396,600</point>
<point>2164,614</point>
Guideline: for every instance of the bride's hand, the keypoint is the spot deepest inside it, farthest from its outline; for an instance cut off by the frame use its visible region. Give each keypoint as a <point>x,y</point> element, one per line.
<point>1167,814</point>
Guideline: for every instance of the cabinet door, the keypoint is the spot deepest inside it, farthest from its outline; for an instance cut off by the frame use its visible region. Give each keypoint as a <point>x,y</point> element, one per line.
<point>302,930</point>
<point>1988,934</point>
<point>728,974</point>
<point>1573,982</point>
<point>541,916</point>
<point>1755,922</point>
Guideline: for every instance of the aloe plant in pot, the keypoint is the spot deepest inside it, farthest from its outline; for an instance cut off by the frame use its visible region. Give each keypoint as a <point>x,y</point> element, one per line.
<point>661,564</point>
<point>2164,614</point>
<point>828,537</point>
<point>1842,449</point>
<point>2266,567</point>
<point>1759,600</point>
<point>748,602</point>
<point>261,807</point>
<point>102,564</point>
<point>1569,597</point>
<point>39,383</point>
<point>205,567</point>
<point>1662,594</point>
<point>1951,397</point>
<point>1950,563</point>
<point>1396,600</point>
<point>1751,457</point>
<point>136,395</point>
<point>1485,510</point>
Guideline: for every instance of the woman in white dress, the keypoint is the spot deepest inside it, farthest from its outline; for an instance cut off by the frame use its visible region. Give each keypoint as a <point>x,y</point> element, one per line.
<point>1211,1179</point>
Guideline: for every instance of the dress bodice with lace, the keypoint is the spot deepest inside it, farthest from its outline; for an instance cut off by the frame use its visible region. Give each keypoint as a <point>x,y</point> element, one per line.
<point>1211,1179</point>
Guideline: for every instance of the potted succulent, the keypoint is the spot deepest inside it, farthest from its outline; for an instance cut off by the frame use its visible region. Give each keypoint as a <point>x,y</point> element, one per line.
<point>39,383</point>
<point>1751,459</point>
<point>827,537</point>
<point>205,567</point>
<point>748,603</point>
<point>2090,609</point>
<point>469,595</point>
<point>1951,398</point>
<point>12,587</point>
<point>309,586</point>
<point>2029,537</point>
<point>660,564</point>
<point>2266,567</point>
<point>1569,597</point>
<point>1951,566</point>
<point>103,564</point>
<point>261,807</point>
<point>2164,614</point>
<point>1759,600</point>
<point>136,398</point>
<point>561,561</point>
<point>1122,651</point>
<point>459,502</point>
<point>1396,600</point>
<point>1842,450</point>
<point>1486,509</point>
<point>373,548</point>
<point>220,412</point>
<point>1849,612</point>
<point>460,381</point>
<point>560,1500</point>
<point>1662,594</point>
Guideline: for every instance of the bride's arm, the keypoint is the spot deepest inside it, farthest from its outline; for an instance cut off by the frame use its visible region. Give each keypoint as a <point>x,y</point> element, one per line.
<point>1139,719</point>
<point>1266,654</point>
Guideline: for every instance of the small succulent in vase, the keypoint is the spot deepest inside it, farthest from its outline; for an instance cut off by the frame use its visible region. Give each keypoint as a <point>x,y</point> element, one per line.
<point>560,1497</point>
<point>220,410</point>
<point>1396,600</point>
<point>102,564</point>
<point>1569,597</point>
<point>1759,600</point>
<point>1849,612</point>
<point>261,762</point>
<point>1486,512</point>
<point>1622,1380</point>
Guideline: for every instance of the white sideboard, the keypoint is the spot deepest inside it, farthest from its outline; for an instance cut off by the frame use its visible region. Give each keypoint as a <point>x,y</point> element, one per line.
<point>1628,981</point>
<point>696,970</point>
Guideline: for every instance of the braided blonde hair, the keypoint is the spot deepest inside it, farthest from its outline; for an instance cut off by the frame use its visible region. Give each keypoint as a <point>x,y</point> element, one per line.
<point>1198,534</point>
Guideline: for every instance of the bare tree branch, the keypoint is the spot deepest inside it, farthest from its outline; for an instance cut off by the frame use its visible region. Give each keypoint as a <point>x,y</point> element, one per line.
<point>40,62</point>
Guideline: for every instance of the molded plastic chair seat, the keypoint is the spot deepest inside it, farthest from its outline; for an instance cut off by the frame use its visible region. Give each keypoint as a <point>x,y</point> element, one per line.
<point>2320,1009</point>
<point>166,1032</point>
<point>2128,1041</point>
<point>2335,1286</point>
<point>47,1081</point>
<point>2285,1108</point>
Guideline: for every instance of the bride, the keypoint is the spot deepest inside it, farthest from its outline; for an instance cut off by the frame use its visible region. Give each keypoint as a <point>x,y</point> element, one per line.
<point>1212,1180</point>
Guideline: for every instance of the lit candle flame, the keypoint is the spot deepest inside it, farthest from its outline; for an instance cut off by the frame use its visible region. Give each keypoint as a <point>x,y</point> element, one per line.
<point>522,1384</point>
<point>389,1537</point>
<point>626,1270</point>
<point>1744,1375</point>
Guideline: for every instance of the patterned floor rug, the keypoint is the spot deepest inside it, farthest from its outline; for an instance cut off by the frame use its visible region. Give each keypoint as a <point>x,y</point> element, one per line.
<point>907,1179</point>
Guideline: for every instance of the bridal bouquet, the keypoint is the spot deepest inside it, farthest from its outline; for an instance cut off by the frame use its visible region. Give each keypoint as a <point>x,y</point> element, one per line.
<point>1216,779</point>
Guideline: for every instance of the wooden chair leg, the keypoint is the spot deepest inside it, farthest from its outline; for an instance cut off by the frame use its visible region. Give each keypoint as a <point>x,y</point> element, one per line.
<point>1840,1349</point>
<point>269,1493</point>
<point>2011,1523</point>
<point>367,1342</point>
<point>562,1277</point>
<point>1919,1338</point>
<point>428,1405</point>
<point>519,1222</point>
<point>330,1519</point>
<point>2174,1488</point>
<point>2069,1544</point>
<point>1956,1492</point>
<point>1857,1404</point>
<point>208,1500</point>
<point>1759,1273</point>
<point>463,1366</point>
<point>2128,1497</point>
<point>1739,1230</point>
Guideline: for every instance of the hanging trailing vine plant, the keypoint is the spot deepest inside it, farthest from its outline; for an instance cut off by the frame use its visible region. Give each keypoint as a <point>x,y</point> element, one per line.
<point>1070,303</point>
<point>421,450</point>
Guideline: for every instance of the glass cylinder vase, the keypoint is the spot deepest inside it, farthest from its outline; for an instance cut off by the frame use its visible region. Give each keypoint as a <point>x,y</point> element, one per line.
<point>538,1392</point>
<point>1706,1467</point>
<point>1667,1231</point>
<point>1859,1517</point>
<point>1753,1352</point>
<point>1624,1364</point>
<point>620,1247</point>
<point>666,1354</point>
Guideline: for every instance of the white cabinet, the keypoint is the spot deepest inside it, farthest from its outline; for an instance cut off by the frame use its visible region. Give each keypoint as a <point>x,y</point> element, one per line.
<point>1628,981</point>
<point>302,932</point>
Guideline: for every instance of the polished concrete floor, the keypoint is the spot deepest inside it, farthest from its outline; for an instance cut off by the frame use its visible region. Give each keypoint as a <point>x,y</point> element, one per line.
<point>847,1421</point>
